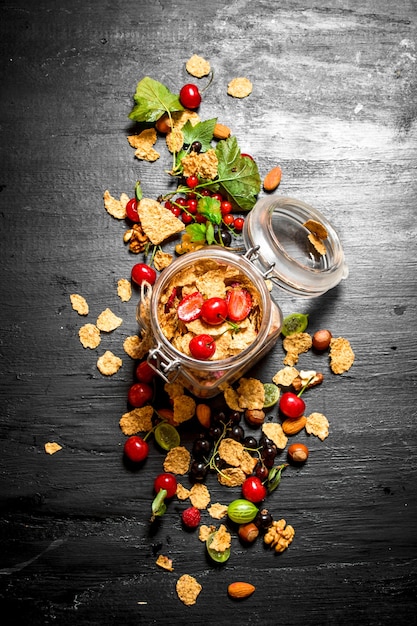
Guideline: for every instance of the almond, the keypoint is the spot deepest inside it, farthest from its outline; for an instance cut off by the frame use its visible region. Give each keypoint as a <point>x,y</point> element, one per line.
<point>240,590</point>
<point>203,413</point>
<point>272,179</point>
<point>293,426</point>
<point>221,131</point>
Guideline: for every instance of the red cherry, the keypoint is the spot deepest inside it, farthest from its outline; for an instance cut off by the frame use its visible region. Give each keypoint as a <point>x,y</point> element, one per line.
<point>144,372</point>
<point>214,311</point>
<point>143,273</point>
<point>136,449</point>
<point>139,394</point>
<point>190,96</point>
<point>167,482</point>
<point>253,489</point>
<point>292,405</point>
<point>132,210</point>
<point>202,347</point>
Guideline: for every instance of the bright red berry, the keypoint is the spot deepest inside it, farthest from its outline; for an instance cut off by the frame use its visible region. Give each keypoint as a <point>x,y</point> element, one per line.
<point>136,449</point>
<point>192,181</point>
<point>253,489</point>
<point>132,210</point>
<point>239,222</point>
<point>202,347</point>
<point>225,207</point>
<point>166,481</point>
<point>191,517</point>
<point>141,272</point>
<point>139,394</point>
<point>190,96</point>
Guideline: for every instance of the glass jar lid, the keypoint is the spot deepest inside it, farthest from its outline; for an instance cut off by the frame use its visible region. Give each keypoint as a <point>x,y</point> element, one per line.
<point>280,229</point>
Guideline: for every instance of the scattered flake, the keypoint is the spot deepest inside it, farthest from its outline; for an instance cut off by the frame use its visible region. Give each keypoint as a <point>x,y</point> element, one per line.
<point>198,66</point>
<point>204,532</point>
<point>184,409</point>
<point>279,535</point>
<point>285,376</point>
<point>239,87</point>
<point>204,164</point>
<point>188,589</point>
<point>251,392</point>
<point>217,510</point>
<point>274,431</point>
<point>199,496</point>
<point>89,336</point>
<point>108,321</point>
<point>174,390</point>
<point>162,260</point>
<point>143,143</point>
<point>175,140</point>
<point>158,222</point>
<point>231,477</point>
<point>51,447</point>
<point>108,364</point>
<point>136,347</point>
<point>116,208</point>
<point>318,425</point>
<point>222,539</point>
<point>231,398</point>
<point>137,421</point>
<point>341,355</point>
<point>180,118</point>
<point>294,345</point>
<point>182,492</point>
<point>231,451</point>
<point>165,563</point>
<point>124,289</point>
<point>317,244</point>
<point>79,304</point>
<point>177,460</point>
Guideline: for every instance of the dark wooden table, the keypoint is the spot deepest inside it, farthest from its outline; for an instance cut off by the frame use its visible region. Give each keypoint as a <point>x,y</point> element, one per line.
<point>334,104</point>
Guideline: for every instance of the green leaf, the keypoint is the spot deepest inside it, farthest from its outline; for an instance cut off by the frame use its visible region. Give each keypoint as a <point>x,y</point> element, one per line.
<point>210,208</point>
<point>196,231</point>
<point>202,132</point>
<point>152,100</point>
<point>274,477</point>
<point>239,176</point>
<point>210,233</point>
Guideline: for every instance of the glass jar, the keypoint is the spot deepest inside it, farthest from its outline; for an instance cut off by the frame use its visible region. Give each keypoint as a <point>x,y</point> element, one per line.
<point>278,249</point>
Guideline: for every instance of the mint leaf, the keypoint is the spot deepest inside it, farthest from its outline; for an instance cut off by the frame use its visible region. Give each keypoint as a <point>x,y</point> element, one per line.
<point>210,208</point>
<point>196,231</point>
<point>152,100</point>
<point>202,132</point>
<point>210,233</point>
<point>239,176</point>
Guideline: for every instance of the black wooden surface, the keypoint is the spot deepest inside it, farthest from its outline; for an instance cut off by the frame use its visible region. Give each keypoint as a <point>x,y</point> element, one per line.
<point>334,103</point>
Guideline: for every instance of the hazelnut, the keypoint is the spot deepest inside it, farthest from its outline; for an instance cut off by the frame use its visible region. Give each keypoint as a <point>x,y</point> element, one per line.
<point>255,417</point>
<point>298,452</point>
<point>321,340</point>
<point>248,532</point>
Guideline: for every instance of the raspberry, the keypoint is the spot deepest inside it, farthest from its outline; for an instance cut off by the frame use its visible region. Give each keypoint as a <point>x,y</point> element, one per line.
<point>191,517</point>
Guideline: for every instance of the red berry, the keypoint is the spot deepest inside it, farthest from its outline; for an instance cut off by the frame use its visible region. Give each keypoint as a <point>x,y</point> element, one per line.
<point>253,489</point>
<point>202,347</point>
<point>191,517</point>
<point>143,273</point>
<point>229,220</point>
<point>239,304</point>
<point>136,449</point>
<point>192,181</point>
<point>291,405</point>
<point>192,205</point>
<point>225,207</point>
<point>132,210</point>
<point>190,96</point>
<point>217,196</point>
<point>239,222</point>
<point>167,482</point>
<point>186,218</point>
<point>144,372</point>
<point>176,211</point>
<point>189,309</point>
<point>139,394</point>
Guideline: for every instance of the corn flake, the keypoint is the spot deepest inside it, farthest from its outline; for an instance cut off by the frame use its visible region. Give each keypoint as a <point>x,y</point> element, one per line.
<point>51,447</point>
<point>143,143</point>
<point>294,345</point>
<point>222,539</point>
<point>318,425</point>
<point>239,87</point>
<point>188,589</point>
<point>124,289</point>
<point>115,208</point>
<point>136,347</point>
<point>137,421</point>
<point>198,66</point>
<point>285,376</point>
<point>177,460</point>
<point>162,260</point>
<point>199,496</point>
<point>157,222</point>
<point>89,336</point>
<point>231,477</point>
<point>317,244</point>
<point>251,392</point>
<point>341,355</point>
<point>79,304</point>
<point>316,228</point>
<point>203,164</point>
<point>184,409</point>
<point>108,364</point>
<point>165,563</point>
<point>205,531</point>
<point>180,118</point>
<point>217,510</point>
<point>108,321</point>
<point>274,432</point>
<point>182,492</point>
<point>174,140</point>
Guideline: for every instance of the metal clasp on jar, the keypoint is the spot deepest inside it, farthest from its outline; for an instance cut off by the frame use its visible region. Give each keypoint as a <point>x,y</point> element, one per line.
<point>253,255</point>
<point>162,364</point>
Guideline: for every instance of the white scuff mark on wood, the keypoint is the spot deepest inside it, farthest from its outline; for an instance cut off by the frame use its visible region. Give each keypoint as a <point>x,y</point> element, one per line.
<point>358,108</point>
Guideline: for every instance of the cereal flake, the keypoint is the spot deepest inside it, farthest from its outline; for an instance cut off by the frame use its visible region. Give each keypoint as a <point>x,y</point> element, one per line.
<point>239,87</point>
<point>177,460</point>
<point>143,143</point>
<point>79,304</point>
<point>294,345</point>
<point>137,421</point>
<point>188,589</point>
<point>274,431</point>
<point>317,424</point>
<point>115,208</point>
<point>136,347</point>
<point>217,510</point>
<point>124,289</point>
<point>51,447</point>
<point>162,260</point>
<point>158,222</point>
<point>108,364</point>
<point>198,66</point>
<point>285,376</point>
<point>182,492</point>
<point>199,496</point>
<point>341,355</point>
<point>107,321</point>
<point>165,563</point>
<point>89,336</point>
